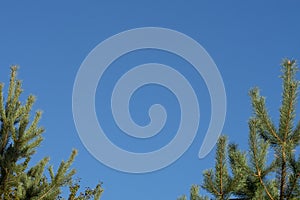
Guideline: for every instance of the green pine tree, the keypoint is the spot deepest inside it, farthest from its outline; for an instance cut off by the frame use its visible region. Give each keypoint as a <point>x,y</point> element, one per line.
<point>257,174</point>
<point>19,138</point>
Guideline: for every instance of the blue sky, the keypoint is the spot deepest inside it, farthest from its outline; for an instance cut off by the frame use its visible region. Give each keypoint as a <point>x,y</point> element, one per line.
<point>49,41</point>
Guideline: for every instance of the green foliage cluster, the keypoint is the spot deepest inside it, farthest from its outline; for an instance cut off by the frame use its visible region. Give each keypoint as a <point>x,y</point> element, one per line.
<point>255,174</point>
<point>19,139</point>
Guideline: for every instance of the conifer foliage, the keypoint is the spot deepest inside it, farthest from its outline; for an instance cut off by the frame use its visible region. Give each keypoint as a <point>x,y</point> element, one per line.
<point>20,135</point>
<point>270,169</point>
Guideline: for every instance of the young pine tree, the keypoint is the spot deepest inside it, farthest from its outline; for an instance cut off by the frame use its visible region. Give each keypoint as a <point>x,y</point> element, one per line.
<point>19,138</point>
<point>257,175</point>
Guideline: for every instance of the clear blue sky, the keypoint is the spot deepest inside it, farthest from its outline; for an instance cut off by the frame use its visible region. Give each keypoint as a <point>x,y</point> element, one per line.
<point>50,39</point>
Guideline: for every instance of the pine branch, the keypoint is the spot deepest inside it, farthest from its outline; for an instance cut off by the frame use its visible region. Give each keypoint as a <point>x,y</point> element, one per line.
<point>18,142</point>
<point>218,182</point>
<point>258,156</point>
<point>267,126</point>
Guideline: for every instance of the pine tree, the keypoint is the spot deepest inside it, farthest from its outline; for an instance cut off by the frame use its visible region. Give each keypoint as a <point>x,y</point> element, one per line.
<point>255,174</point>
<point>19,139</point>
